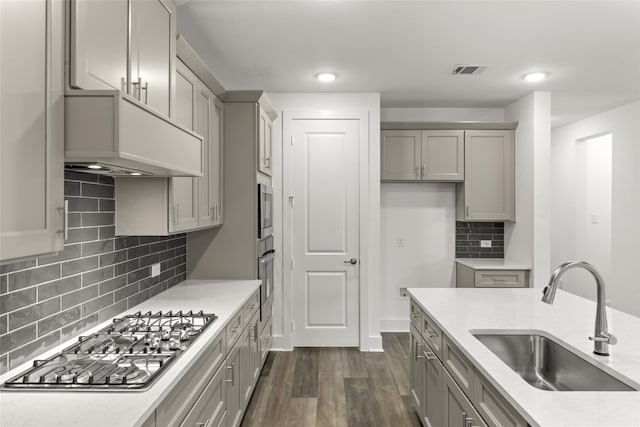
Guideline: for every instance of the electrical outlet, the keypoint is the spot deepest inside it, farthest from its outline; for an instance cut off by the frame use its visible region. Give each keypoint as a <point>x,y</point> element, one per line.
<point>485,243</point>
<point>155,270</point>
<point>403,293</point>
<point>400,242</point>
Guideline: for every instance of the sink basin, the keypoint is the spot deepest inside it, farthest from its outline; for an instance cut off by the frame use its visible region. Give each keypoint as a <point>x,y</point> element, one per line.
<point>546,364</point>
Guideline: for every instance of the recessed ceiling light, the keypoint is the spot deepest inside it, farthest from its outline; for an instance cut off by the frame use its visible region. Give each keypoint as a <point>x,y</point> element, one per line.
<point>535,77</point>
<point>94,167</point>
<point>135,173</point>
<point>326,77</point>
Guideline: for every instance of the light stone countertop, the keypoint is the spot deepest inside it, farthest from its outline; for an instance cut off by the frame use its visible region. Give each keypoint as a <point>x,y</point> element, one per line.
<point>571,319</point>
<point>47,408</point>
<point>492,264</point>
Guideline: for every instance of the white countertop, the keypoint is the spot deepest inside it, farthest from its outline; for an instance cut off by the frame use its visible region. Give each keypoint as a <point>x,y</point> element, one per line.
<point>83,408</point>
<point>492,264</point>
<point>571,319</point>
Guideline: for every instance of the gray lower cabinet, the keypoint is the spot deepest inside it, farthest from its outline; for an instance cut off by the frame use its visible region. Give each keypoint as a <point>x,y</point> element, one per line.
<point>447,389</point>
<point>467,277</point>
<point>31,128</point>
<point>457,409</point>
<point>217,389</point>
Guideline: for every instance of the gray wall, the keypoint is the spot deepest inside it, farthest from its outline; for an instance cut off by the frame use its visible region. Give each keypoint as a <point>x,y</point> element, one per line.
<point>469,234</point>
<point>46,301</point>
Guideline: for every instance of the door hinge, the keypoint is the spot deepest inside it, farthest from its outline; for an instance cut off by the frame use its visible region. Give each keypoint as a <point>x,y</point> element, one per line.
<point>292,201</point>
<point>291,140</point>
<point>292,264</point>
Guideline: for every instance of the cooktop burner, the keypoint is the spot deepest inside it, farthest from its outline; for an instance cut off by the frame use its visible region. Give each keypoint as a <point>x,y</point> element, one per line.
<point>129,354</point>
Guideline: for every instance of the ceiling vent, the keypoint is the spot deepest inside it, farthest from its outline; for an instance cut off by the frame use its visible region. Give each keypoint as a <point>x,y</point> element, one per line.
<point>467,70</point>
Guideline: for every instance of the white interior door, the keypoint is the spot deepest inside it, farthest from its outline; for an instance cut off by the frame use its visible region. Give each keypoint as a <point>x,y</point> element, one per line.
<point>325,236</point>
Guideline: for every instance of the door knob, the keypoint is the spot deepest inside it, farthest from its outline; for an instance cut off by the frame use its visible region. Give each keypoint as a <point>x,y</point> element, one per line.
<point>351,261</point>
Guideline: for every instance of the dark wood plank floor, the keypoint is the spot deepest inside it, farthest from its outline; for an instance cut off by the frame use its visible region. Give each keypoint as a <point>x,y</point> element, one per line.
<point>335,387</point>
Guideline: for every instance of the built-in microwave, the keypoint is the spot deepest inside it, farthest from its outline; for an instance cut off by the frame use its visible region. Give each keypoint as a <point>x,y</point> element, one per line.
<point>265,211</point>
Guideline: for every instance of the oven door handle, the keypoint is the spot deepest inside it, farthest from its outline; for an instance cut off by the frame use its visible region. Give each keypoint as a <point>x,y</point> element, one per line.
<point>268,256</point>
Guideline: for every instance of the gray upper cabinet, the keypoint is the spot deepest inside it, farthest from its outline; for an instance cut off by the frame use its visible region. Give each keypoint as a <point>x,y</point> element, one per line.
<point>488,192</point>
<point>428,155</point>
<point>128,45</point>
<point>264,144</point>
<point>161,206</point>
<point>31,128</point>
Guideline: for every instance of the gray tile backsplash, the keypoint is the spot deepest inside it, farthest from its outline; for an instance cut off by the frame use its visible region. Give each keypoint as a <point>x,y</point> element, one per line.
<point>46,301</point>
<point>469,235</point>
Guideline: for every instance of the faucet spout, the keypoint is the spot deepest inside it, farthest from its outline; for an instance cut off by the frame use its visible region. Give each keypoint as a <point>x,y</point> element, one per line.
<point>602,338</point>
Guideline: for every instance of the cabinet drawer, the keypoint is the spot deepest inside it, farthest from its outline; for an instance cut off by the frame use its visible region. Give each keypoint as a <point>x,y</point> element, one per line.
<point>175,406</point>
<point>492,406</point>
<point>458,410</point>
<point>415,313</point>
<point>250,308</point>
<point>500,279</point>
<point>432,334</point>
<point>210,407</point>
<point>234,329</point>
<point>458,365</point>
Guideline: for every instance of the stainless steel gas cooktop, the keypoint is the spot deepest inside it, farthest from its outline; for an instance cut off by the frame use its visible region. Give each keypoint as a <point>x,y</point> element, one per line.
<point>129,354</point>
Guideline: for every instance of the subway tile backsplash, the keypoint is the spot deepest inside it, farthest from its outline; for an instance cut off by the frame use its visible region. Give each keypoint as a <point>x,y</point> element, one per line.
<point>46,301</point>
<point>469,234</point>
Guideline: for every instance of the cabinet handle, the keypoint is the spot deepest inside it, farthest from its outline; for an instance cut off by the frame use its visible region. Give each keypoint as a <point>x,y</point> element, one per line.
<point>231,368</point>
<point>137,85</point>
<point>175,214</point>
<point>124,87</point>
<point>145,88</point>
<point>464,419</point>
<point>468,421</point>
<point>429,355</point>
<point>466,210</point>
<point>204,424</point>
<point>65,220</point>
<point>418,355</point>
<point>422,171</point>
<point>267,162</point>
<point>417,171</point>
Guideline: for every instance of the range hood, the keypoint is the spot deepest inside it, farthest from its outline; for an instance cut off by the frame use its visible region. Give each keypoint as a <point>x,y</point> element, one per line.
<point>108,132</point>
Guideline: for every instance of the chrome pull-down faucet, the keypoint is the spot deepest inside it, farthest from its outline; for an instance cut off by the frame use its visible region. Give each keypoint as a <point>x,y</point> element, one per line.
<point>602,338</point>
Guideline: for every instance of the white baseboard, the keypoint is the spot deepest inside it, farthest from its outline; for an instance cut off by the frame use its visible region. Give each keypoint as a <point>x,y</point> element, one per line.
<point>394,325</point>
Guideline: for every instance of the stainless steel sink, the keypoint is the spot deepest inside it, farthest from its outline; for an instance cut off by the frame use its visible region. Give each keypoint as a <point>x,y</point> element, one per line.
<point>546,364</point>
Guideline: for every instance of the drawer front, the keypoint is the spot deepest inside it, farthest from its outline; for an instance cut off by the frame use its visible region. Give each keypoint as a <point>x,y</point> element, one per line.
<point>415,313</point>
<point>265,343</point>
<point>234,329</point>
<point>493,407</point>
<point>458,411</point>
<point>458,365</point>
<point>250,308</point>
<point>210,407</point>
<point>175,406</point>
<point>500,279</point>
<point>432,334</point>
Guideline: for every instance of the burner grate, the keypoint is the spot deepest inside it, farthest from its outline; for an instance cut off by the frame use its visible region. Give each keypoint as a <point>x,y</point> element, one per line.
<point>129,354</point>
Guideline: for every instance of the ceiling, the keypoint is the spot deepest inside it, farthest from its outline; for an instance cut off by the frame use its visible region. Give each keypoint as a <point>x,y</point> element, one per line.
<point>406,49</point>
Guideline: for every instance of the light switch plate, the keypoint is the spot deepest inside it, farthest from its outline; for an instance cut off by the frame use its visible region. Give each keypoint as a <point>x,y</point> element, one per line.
<point>155,270</point>
<point>485,243</point>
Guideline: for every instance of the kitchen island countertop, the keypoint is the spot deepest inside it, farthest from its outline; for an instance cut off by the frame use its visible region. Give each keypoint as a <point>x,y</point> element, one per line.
<point>571,319</point>
<point>48,408</point>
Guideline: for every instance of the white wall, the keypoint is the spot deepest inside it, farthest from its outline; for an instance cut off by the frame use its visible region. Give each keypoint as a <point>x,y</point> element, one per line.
<point>424,215</point>
<point>332,105</point>
<point>441,114</point>
<point>527,240</point>
<point>623,282</point>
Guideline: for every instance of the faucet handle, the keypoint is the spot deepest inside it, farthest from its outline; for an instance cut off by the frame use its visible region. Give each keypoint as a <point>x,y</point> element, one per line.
<point>605,336</point>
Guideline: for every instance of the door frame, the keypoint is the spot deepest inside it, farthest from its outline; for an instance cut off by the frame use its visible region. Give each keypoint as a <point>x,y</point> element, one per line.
<point>365,292</point>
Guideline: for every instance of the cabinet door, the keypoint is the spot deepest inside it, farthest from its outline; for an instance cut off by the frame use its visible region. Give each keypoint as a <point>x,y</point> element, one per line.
<point>153,53</point>
<point>183,191</point>
<point>245,373</point>
<point>210,406</point>
<point>400,156</point>
<point>216,146</point>
<point>265,343</point>
<point>99,43</point>
<point>457,408</point>
<point>432,389</point>
<point>264,144</point>
<point>489,176</point>
<point>31,128</point>
<point>255,356</point>
<point>443,155</point>
<point>416,372</point>
<point>234,389</point>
